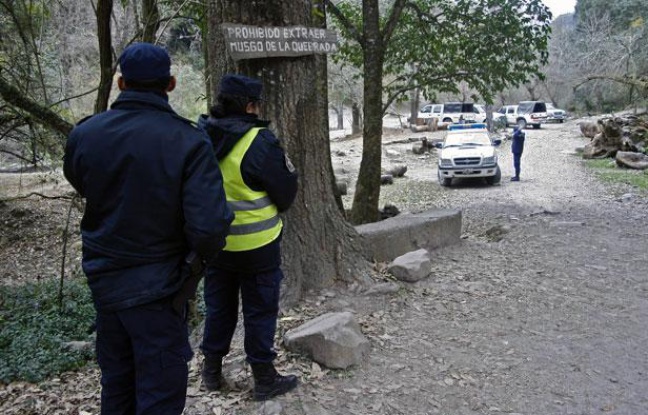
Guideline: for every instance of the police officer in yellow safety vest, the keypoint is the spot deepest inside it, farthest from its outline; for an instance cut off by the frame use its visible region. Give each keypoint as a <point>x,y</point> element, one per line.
<point>260,182</point>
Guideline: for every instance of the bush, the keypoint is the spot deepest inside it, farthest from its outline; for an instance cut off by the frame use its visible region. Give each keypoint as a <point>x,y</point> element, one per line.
<point>34,329</point>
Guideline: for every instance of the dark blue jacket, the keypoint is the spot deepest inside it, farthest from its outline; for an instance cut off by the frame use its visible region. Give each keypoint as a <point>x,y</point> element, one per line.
<point>153,193</point>
<point>265,167</point>
<point>517,145</point>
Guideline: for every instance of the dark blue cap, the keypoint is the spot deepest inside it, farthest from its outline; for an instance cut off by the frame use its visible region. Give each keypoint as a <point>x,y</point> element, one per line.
<point>242,86</point>
<point>144,62</point>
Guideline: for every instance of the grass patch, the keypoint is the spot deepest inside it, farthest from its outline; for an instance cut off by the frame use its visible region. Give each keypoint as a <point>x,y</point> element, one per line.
<point>606,170</point>
<point>34,329</point>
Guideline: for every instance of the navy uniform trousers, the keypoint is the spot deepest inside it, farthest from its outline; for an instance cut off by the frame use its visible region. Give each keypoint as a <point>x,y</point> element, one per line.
<point>143,353</point>
<point>260,298</point>
<point>517,157</point>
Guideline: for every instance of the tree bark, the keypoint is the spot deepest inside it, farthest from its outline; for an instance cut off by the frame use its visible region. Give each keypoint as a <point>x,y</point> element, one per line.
<point>356,119</point>
<point>415,103</point>
<point>104,11</point>
<point>319,246</point>
<point>151,20</point>
<point>367,193</point>
<point>340,116</point>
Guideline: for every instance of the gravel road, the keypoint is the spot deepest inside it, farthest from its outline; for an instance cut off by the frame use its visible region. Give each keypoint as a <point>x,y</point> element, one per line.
<point>542,309</point>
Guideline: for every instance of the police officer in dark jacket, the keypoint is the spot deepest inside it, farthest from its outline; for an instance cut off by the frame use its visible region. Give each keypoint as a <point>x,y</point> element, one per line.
<point>153,194</point>
<point>517,147</point>
<point>260,182</point>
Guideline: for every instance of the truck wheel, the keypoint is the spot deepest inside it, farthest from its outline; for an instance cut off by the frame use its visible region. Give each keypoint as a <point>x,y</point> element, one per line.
<point>443,181</point>
<point>447,120</point>
<point>493,180</point>
<point>536,126</point>
<point>521,123</point>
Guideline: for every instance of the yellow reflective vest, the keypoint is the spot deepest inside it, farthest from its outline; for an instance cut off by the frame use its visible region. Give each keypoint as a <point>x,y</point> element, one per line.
<point>256,218</point>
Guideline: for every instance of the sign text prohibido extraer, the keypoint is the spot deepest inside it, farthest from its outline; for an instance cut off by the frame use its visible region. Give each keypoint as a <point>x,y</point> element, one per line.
<point>248,42</point>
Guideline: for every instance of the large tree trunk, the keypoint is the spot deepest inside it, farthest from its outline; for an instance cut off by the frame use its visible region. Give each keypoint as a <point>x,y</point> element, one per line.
<point>356,119</point>
<point>365,200</point>
<point>414,105</point>
<point>340,116</point>
<point>104,12</point>
<point>150,20</point>
<point>319,246</point>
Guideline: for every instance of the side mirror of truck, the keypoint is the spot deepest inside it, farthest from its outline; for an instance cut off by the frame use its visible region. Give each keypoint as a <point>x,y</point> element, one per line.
<point>438,145</point>
<point>497,142</point>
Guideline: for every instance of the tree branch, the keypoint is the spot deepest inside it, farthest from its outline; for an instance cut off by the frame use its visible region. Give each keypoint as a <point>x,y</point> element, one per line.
<point>346,23</point>
<point>58,197</point>
<point>40,113</point>
<point>394,17</point>
<point>640,83</point>
<point>75,97</point>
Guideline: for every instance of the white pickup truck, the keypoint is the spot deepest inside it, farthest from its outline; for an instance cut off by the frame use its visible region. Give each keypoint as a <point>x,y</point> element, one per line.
<point>466,152</point>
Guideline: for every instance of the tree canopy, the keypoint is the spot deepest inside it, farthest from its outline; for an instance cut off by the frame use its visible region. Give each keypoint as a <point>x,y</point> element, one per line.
<point>438,44</point>
<point>433,45</point>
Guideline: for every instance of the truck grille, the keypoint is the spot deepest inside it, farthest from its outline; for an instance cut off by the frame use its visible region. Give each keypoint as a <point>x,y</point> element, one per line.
<point>467,161</point>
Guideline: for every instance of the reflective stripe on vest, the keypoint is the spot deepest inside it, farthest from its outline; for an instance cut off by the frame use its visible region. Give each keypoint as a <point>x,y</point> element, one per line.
<point>256,221</point>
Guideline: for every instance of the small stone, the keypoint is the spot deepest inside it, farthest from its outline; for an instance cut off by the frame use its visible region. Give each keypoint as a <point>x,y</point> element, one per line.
<point>270,408</point>
<point>626,197</point>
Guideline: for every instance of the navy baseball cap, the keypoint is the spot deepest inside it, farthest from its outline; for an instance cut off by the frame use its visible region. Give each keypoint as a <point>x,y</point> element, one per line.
<point>144,62</point>
<point>242,86</point>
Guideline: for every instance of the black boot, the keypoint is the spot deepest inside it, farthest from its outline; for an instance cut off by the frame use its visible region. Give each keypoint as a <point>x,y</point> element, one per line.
<point>268,383</point>
<point>212,372</point>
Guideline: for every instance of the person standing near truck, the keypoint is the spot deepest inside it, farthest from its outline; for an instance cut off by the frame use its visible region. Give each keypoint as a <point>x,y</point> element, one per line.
<point>517,147</point>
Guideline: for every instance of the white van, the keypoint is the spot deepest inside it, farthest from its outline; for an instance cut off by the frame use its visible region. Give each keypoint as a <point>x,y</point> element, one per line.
<point>450,112</point>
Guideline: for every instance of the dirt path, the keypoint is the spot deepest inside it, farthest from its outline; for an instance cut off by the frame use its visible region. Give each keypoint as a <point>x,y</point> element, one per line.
<point>542,309</point>
<point>551,319</point>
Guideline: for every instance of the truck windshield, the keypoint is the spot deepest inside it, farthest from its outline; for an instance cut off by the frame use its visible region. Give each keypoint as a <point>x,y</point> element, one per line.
<point>531,106</point>
<point>458,107</point>
<point>460,139</point>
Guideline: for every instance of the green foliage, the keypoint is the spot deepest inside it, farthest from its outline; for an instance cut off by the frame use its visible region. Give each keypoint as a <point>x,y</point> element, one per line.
<point>607,171</point>
<point>33,329</point>
<point>438,44</point>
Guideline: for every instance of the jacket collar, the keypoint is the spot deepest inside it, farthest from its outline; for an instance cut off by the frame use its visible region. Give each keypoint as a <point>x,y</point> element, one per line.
<point>226,131</point>
<point>130,99</point>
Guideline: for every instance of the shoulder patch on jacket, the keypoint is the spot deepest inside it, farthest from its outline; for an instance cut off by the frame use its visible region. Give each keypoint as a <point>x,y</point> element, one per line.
<point>289,165</point>
<point>186,121</point>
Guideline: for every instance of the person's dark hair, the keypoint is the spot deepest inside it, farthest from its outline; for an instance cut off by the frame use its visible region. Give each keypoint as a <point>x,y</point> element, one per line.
<point>154,85</point>
<point>227,104</point>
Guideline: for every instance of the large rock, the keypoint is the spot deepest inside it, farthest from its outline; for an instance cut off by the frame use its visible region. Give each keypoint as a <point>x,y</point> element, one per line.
<point>411,267</point>
<point>397,171</point>
<point>386,179</point>
<point>632,160</point>
<point>333,340</point>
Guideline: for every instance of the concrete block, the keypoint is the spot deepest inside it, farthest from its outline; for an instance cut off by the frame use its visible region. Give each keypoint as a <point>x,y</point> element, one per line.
<point>393,237</point>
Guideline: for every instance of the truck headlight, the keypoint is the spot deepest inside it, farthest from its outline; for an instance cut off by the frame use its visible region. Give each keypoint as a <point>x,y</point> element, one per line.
<point>446,163</point>
<point>490,160</point>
